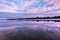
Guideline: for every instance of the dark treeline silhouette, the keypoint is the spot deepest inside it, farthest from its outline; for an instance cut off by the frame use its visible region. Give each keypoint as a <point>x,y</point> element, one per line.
<point>55,17</point>
<point>37,19</point>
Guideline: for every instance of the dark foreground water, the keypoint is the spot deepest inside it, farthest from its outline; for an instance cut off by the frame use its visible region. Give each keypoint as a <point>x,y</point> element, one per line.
<point>29,30</point>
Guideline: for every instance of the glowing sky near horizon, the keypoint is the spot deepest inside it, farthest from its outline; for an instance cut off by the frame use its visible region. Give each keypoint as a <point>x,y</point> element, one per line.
<point>29,6</point>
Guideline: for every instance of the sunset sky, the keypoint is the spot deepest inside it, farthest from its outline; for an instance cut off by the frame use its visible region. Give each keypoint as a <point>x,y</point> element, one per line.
<point>44,7</point>
<point>29,6</point>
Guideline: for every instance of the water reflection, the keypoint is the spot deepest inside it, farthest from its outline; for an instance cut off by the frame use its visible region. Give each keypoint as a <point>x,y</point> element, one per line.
<point>29,30</point>
<point>24,23</point>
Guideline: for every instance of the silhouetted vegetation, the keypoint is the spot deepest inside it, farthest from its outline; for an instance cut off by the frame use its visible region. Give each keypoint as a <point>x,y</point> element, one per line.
<point>55,17</point>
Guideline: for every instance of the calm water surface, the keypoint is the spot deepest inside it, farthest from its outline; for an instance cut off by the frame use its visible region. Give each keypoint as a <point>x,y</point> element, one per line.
<point>31,29</point>
<point>8,23</point>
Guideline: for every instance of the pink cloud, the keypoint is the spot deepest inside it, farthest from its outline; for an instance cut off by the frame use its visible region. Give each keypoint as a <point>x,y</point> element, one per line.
<point>25,6</point>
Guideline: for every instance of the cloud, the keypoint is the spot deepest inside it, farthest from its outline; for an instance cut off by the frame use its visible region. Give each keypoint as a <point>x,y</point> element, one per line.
<point>28,6</point>
<point>18,5</point>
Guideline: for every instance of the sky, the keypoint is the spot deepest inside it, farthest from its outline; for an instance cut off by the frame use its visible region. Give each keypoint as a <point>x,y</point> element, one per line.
<point>43,7</point>
<point>29,6</point>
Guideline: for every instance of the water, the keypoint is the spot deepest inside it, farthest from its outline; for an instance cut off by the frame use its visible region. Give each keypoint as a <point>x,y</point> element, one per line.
<point>16,28</point>
<point>8,23</point>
